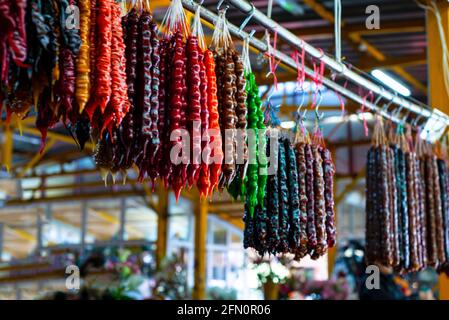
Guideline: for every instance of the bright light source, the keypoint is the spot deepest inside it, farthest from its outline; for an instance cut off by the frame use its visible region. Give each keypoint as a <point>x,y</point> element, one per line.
<point>353,117</point>
<point>390,82</point>
<point>291,7</point>
<point>434,127</point>
<point>147,259</point>
<point>348,253</point>
<point>288,124</point>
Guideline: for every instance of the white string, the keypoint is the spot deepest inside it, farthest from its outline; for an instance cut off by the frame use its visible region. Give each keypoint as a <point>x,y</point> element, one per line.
<point>434,9</point>
<point>175,16</point>
<point>337,29</point>
<point>245,56</point>
<point>197,29</point>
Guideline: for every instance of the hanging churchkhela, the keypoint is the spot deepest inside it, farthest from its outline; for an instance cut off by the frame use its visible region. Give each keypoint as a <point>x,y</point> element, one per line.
<point>144,96</point>
<point>297,214</point>
<point>406,205</point>
<point>231,103</point>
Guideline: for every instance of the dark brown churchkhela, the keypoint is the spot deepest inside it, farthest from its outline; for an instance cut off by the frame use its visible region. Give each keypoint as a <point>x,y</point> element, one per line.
<point>407,208</point>
<point>329,171</point>
<point>301,251</point>
<point>320,206</point>
<point>311,227</point>
<point>299,216</point>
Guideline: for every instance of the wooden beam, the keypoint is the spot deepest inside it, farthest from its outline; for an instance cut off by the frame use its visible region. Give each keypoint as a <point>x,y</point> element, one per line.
<point>350,186</point>
<point>378,55</point>
<point>235,221</point>
<point>63,174</point>
<point>200,211</point>
<point>162,225</point>
<point>321,11</point>
<point>20,233</point>
<point>438,95</point>
<point>387,27</point>
<point>57,136</point>
<point>62,219</point>
<point>332,252</point>
<point>356,38</point>
<point>7,148</point>
<point>405,61</point>
<point>74,197</point>
<point>37,157</point>
<point>28,266</point>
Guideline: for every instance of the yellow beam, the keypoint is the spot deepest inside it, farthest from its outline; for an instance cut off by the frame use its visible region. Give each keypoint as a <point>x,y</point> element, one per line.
<point>438,95</point>
<point>7,148</point>
<point>199,288</point>
<point>356,38</point>
<point>114,220</point>
<point>321,11</point>
<point>236,222</point>
<point>332,252</point>
<point>57,136</point>
<point>378,55</point>
<point>61,218</point>
<point>21,233</point>
<point>162,225</point>
<point>405,61</point>
<point>36,158</point>
<point>388,27</point>
<point>350,186</point>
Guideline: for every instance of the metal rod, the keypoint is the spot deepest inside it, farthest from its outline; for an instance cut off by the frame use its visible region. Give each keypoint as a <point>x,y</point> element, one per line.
<point>291,38</point>
<point>289,62</point>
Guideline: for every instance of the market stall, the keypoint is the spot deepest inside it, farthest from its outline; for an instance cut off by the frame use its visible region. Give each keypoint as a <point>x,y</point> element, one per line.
<point>172,104</point>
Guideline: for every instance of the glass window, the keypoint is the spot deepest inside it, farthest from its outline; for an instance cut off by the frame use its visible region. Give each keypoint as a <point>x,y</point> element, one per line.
<point>179,227</point>
<point>219,235</point>
<point>219,266</point>
<point>141,222</point>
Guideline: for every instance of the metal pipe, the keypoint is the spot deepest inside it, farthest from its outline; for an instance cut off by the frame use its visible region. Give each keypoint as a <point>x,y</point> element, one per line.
<point>289,62</point>
<point>291,38</point>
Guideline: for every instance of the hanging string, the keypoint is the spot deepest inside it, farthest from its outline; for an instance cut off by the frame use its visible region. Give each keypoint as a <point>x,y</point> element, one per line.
<point>362,111</point>
<point>221,38</point>
<point>245,54</point>
<point>445,56</point>
<point>317,80</point>
<point>337,29</point>
<point>175,19</point>
<point>270,114</point>
<point>271,54</point>
<point>300,67</point>
<point>197,29</point>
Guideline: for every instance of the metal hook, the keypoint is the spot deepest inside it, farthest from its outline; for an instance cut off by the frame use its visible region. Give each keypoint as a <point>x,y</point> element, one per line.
<point>219,5</point>
<point>250,35</point>
<point>319,116</point>
<point>248,18</point>
<point>398,112</point>
<point>404,118</point>
<point>392,99</point>
<point>303,99</point>
<point>417,118</point>
<point>377,100</point>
